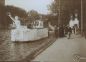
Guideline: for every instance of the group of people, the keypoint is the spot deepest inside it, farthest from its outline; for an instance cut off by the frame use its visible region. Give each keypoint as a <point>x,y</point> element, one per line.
<point>64,31</point>
<point>72,27</point>
<point>60,31</point>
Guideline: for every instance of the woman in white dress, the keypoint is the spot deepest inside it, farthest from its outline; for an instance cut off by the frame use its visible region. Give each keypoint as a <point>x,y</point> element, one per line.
<point>16,21</point>
<point>16,34</point>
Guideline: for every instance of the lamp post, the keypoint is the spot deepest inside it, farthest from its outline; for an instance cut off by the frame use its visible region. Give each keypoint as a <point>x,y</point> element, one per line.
<point>81,17</point>
<point>59,9</point>
<point>59,20</point>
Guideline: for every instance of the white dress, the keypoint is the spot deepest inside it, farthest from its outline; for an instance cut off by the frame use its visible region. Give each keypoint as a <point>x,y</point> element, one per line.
<point>76,22</point>
<point>71,23</point>
<point>17,24</point>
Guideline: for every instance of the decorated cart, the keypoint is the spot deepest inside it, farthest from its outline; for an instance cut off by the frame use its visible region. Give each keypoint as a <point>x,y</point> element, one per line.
<point>21,33</point>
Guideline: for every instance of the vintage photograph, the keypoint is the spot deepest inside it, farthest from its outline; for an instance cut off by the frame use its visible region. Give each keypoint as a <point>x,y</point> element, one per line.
<point>42,31</point>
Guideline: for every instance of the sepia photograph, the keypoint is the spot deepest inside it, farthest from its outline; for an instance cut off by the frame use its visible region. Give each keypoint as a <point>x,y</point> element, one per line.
<point>42,31</point>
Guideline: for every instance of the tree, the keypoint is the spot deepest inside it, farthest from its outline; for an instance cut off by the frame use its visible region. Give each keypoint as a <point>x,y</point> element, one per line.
<point>33,15</point>
<point>4,19</point>
<point>16,11</point>
<point>19,12</point>
<point>64,8</point>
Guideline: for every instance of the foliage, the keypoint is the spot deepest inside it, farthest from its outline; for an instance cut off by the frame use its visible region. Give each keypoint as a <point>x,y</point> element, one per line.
<point>16,11</point>
<point>64,8</point>
<point>4,19</point>
<point>33,15</point>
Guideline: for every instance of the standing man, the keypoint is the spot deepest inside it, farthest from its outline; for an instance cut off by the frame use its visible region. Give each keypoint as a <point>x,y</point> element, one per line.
<point>69,32</point>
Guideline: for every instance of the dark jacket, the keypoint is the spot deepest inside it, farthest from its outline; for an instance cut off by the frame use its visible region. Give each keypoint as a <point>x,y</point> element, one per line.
<point>69,29</point>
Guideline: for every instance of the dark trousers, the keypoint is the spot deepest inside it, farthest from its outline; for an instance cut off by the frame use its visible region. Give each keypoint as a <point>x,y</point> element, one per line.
<point>69,35</point>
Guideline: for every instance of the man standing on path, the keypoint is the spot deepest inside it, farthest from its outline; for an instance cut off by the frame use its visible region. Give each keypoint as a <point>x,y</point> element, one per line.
<point>69,32</point>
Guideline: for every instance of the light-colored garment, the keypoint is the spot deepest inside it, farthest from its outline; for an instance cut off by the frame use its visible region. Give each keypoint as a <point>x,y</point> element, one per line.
<point>76,22</point>
<point>38,24</point>
<point>71,23</point>
<point>17,24</point>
